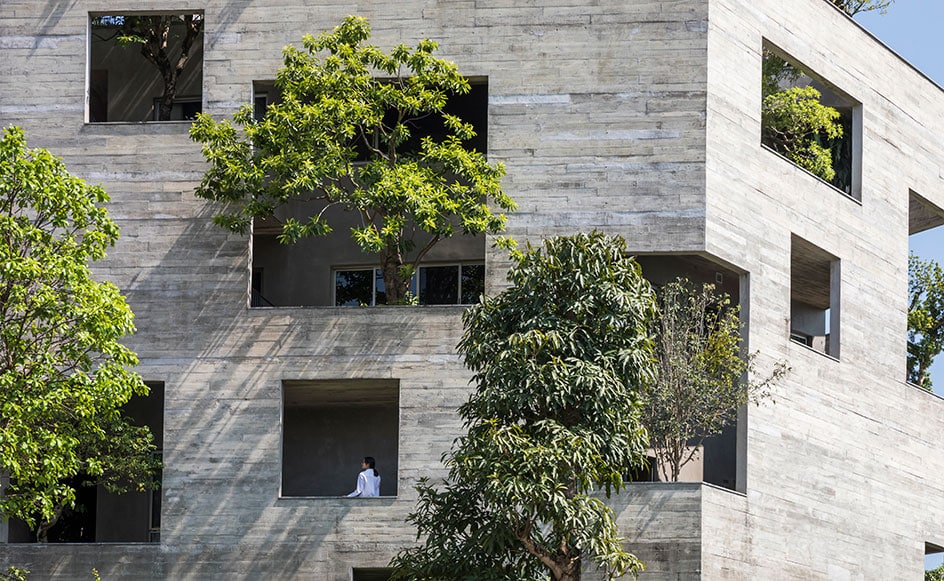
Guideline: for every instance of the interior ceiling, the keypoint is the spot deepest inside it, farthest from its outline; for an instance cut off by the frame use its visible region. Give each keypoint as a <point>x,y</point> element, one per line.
<point>922,214</point>
<point>809,274</point>
<point>341,392</point>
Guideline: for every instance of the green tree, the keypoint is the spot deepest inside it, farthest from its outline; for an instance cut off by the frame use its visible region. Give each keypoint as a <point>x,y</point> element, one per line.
<point>934,574</point>
<point>154,34</point>
<point>340,137</point>
<point>794,122</point>
<point>853,7</point>
<point>925,318</point>
<point>558,360</point>
<point>703,375</point>
<point>64,374</point>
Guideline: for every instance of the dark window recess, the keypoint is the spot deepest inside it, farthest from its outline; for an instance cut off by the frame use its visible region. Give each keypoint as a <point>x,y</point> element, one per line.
<point>100,516</point>
<point>371,574</point>
<point>472,283</point>
<point>439,285</point>
<point>123,85</point>
<point>471,108</point>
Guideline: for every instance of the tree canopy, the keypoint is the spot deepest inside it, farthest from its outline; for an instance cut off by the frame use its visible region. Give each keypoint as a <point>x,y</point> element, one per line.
<point>853,7</point>
<point>558,361</point>
<point>344,134</point>
<point>794,122</point>
<point>64,373</point>
<point>703,374</point>
<point>925,318</point>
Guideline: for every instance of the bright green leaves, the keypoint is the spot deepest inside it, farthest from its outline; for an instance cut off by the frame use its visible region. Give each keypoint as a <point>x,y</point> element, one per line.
<point>796,125</point>
<point>344,133</point>
<point>63,371</point>
<point>701,380</point>
<point>559,361</point>
<point>925,318</point>
<point>794,122</point>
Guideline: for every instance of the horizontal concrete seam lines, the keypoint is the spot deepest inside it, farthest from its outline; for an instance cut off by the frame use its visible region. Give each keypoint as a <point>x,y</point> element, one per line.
<point>614,135</point>
<point>34,42</point>
<point>628,218</point>
<point>40,108</point>
<point>540,99</point>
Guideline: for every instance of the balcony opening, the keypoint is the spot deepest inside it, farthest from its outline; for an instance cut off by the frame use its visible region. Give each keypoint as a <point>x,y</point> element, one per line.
<point>934,558</point>
<point>145,66</point>
<point>924,304</point>
<point>811,122</point>
<point>332,270</point>
<point>718,459</point>
<point>814,297</point>
<point>329,426</point>
<point>103,517</point>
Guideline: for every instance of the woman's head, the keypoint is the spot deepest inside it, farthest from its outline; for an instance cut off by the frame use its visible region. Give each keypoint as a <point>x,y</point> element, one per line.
<point>369,462</point>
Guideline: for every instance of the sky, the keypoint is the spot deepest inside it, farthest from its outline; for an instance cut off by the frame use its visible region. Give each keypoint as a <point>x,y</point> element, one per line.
<point>912,28</point>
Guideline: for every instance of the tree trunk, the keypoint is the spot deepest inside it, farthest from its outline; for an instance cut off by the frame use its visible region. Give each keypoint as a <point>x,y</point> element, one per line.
<point>568,572</point>
<point>170,93</point>
<point>42,531</point>
<point>395,286</point>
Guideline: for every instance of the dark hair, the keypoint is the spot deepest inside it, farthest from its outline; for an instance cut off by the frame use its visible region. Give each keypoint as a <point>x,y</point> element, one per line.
<point>369,460</point>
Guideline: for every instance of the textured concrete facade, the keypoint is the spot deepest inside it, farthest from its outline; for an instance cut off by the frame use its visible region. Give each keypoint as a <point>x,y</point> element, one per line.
<point>639,118</point>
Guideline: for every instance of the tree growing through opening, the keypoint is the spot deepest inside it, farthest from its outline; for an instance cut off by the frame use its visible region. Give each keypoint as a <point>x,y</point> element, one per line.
<point>794,122</point>
<point>559,360</point>
<point>925,318</point>
<point>64,374</point>
<point>154,34</point>
<point>339,137</point>
<point>703,376</point>
<point>853,7</point>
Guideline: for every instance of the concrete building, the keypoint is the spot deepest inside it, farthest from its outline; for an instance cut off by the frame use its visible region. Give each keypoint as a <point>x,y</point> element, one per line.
<point>639,118</point>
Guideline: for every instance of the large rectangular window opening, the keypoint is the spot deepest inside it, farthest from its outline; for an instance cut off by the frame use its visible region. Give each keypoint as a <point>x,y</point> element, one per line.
<point>329,426</point>
<point>145,66</point>
<point>718,459</point>
<point>100,516</point>
<point>795,106</point>
<point>924,248</point>
<point>331,270</point>
<point>814,297</point>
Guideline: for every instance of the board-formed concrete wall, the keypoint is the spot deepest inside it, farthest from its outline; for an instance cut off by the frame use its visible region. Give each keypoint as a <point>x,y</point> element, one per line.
<point>637,118</point>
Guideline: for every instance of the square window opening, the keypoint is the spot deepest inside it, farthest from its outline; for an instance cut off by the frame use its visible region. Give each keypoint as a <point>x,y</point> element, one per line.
<point>129,80</point>
<point>332,270</point>
<point>814,297</point>
<point>811,122</point>
<point>329,426</point>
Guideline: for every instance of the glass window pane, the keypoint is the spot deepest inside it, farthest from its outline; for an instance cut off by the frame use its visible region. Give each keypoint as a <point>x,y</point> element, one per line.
<point>380,287</point>
<point>439,285</point>
<point>353,288</point>
<point>473,283</point>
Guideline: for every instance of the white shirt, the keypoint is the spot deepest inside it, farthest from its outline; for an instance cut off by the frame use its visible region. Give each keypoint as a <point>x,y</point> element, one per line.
<point>367,484</point>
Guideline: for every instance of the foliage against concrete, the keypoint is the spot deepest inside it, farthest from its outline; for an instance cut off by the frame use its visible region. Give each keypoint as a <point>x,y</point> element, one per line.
<point>559,361</point>
<point>356,101</point>
<point>703,374</point>
<point>64,373</point>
